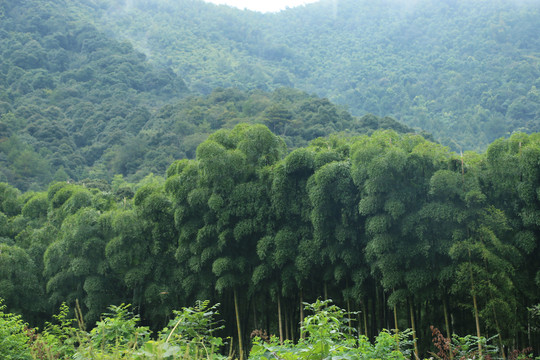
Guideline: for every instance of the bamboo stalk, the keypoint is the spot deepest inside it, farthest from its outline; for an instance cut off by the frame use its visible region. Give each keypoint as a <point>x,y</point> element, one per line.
<point>325,291</point>
<point>286,316</point>
<point>415,340</point>
<point>475,304</point>
<point>364,310</point>
<point>279,320</point>
<point>495,314</point>
<point>349,315</point>
<point>301,315</point>
<point>446,323</point>
<point>396,326</point>
<point>240,349</point>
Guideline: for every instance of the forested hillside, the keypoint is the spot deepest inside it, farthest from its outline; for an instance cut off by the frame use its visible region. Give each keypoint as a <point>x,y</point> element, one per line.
<point>69,95</point>
<point>75,104</point>
<point>394,226</point>
<point>466,71</point>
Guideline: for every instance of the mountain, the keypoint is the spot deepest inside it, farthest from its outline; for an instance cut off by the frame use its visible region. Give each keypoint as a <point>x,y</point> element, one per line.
<point>75,103</point>
<point>466,71</point>
<point>68,94</point>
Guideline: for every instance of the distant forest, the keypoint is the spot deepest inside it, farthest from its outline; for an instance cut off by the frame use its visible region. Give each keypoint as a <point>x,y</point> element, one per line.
<point>466,71</point>
<point>76,104</point>
<point>84,95</point>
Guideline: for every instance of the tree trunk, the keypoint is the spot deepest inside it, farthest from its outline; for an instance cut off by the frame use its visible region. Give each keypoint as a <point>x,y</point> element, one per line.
<point>349,315</point>
<point>255,325</point>
<point>396,326</point>
<point>301,315</point>
<point>446,323</point>
<point>415,340</point>
<point>395,319</point>
<point>364,310</point>
<point>499,331</point>
<point>240,346</point>
<point>477,320</point>
<point>475,304</point>
<point>291,324</point>
<point>279,320</point>
<point>286,317</point>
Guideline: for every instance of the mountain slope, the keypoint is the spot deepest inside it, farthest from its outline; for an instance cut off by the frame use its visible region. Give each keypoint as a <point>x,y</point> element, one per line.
<point>68,93</point>
<point>467,71</point>
<point>76,104</point>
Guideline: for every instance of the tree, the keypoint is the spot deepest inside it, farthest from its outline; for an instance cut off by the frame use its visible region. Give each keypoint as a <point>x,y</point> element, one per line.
<point>76,267</point>
<point>392,174</point>
<point>337,231</point>
<point>18,281</point>
<point>284,268</point>
<point>277,118</point>
<point>510,181</point>
<point>483,259</point>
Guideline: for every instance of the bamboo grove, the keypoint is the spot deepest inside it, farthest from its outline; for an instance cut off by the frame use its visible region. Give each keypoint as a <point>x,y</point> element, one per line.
<point>400,229</point>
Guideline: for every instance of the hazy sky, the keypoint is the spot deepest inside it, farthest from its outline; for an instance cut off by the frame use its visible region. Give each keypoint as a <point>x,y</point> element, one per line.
<point>262,5</point>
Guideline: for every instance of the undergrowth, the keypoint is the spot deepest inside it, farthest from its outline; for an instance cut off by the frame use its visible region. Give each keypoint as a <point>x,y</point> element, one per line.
<point>326,334</point>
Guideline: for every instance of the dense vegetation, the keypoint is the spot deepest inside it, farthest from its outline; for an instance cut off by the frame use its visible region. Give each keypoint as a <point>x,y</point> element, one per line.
<point>466,71</point>
<point>394,226</point>
<point>69,96</point>
<point>76,104</point>
<point>191,335</point>
<point>272,197</point>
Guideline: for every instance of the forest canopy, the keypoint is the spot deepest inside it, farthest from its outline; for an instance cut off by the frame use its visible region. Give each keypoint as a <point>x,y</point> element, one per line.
<point>77,104</point>
<point>465,71</point>
<point>384,224</point>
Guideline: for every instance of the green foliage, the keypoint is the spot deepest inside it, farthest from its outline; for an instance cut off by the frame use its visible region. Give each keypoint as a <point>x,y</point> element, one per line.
<point>95,107</point>
<point>330,337</point>
<point>117,330</point>
<point>77,96</point>
<point>192,329</point>
<point>18,280</point>
<point>58,339</point>
<point>118,336</point>
<point>13,336</point>
<point>327,325</point>
<point>463,70</point>
<point>387,220</point>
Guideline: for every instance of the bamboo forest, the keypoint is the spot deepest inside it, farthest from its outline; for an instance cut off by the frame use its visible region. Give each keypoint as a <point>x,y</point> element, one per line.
<point>182,180</point>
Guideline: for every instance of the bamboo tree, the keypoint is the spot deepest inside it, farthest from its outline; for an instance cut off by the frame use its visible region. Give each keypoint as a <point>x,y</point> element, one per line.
<point>480,230</point>
<point>230,163</point>
<point>392,174</point>
<point>283,268</point>
<point>280,322</point>
<point>73,261</point>
<point>337,228</point>
<point>237,313</point>
<point>447,326</point>
<point>511,179</point>
<point>301,315</point>
<point>475,304</point>
<point>415,341</point>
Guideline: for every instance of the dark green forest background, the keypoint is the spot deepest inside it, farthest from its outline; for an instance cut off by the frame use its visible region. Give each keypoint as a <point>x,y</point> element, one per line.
<point>159,152</point>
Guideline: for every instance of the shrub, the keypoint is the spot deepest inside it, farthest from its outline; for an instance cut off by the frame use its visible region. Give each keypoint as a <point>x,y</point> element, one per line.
<point>13,336</point>
<point>330,337</point>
